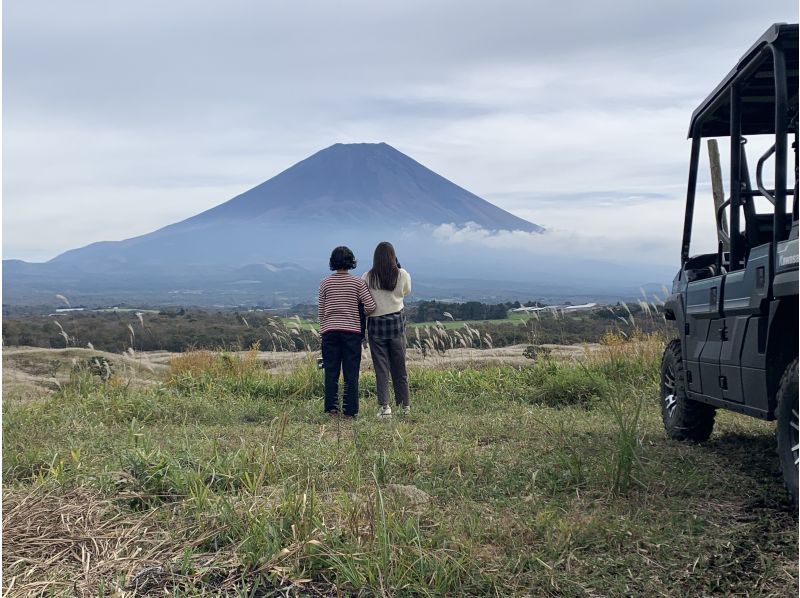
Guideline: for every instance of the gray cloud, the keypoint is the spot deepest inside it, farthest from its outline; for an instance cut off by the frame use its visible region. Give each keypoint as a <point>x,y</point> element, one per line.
<point>521,199</point>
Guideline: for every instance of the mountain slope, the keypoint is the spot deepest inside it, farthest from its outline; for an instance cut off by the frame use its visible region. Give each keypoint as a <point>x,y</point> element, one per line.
<point>363,183</point>
<point>345,188</point>
<point>273,242</point>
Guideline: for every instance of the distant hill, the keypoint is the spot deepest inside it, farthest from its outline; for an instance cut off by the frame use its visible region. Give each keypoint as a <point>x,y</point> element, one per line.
<point>271,244</point>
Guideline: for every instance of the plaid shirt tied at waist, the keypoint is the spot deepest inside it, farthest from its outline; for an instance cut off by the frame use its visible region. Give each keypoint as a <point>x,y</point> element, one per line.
<point>388,326</point>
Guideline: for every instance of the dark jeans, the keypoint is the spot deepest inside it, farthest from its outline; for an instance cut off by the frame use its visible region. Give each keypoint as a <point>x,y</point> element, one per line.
<point>389,356</point>
<point>341,352</point>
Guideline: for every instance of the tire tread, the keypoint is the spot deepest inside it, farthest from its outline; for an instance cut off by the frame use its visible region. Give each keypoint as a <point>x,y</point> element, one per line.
<point>786,397</point>
<point>691,420</point>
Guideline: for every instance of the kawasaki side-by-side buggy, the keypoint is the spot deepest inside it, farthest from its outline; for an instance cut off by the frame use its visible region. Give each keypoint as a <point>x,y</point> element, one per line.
<point>735,310</point>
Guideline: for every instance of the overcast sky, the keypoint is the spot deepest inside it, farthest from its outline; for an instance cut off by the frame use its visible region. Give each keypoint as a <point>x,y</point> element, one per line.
<point>121,117</point>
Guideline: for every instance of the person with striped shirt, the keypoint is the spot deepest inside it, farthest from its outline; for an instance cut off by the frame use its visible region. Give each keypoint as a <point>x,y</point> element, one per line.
<point>340,296</point>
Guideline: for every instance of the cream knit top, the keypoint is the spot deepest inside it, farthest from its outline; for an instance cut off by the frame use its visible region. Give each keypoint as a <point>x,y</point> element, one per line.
<point>389,302</point>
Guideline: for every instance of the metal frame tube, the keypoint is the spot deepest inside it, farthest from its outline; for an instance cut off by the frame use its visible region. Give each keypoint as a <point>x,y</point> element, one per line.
<point>690,192</point>
<point>781,125</point>
<point>759,175</point>
<point>736,176</point>
<point>754,64</point>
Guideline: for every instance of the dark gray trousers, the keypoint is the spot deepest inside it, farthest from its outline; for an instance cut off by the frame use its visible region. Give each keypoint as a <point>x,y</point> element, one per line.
<point>341,352</point>
<point>389,356</point>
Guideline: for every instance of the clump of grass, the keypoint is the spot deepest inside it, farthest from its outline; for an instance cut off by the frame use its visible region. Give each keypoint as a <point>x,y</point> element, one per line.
<point>632,358</point>
<point>193,363</point>
<point>211,363</point>
<point>240,375</point>
<point>567,384</point>
<point>623,459</point>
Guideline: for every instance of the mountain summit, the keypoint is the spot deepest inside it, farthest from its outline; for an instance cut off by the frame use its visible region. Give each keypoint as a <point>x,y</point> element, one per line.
<point>363,183</point>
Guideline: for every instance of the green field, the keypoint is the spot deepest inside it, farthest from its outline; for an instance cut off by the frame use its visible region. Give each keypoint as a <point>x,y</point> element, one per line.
<point>455,325</point>
<point>223,478</point>
<point>125,310</point>
<point>301,323</point>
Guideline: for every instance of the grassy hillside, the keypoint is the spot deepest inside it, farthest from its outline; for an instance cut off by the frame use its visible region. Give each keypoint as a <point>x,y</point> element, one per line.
<point>549,479</point>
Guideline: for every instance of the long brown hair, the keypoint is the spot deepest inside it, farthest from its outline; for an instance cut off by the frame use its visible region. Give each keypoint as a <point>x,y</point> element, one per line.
<point>385,268</point>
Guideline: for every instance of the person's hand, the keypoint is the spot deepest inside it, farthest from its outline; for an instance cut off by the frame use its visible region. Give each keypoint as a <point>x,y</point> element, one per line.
<point>363,342</point>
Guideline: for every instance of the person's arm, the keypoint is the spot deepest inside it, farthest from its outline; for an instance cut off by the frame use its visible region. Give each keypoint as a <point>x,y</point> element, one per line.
<point>406,283</point>
<point>365,297</point>
<point>321,302</point>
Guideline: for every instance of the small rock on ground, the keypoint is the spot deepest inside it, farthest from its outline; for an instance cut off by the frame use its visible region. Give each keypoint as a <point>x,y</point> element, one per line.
<point>406,494</point>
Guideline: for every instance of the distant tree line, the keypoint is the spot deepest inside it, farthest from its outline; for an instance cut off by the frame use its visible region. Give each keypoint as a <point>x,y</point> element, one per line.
<point>182,329</point>
<point>168,330</point>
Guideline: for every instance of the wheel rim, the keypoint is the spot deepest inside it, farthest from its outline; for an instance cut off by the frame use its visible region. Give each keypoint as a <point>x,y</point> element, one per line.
<point>668,389</point>
<point>793,425</point>
<point>669,403</point>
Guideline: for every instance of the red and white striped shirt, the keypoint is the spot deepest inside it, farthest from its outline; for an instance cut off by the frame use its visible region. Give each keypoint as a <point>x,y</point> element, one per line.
<point>339,296</point>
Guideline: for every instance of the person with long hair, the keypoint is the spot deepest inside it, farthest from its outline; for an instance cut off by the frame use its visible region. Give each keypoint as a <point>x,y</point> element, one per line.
<point>386,327</point>
<point>340,296</point>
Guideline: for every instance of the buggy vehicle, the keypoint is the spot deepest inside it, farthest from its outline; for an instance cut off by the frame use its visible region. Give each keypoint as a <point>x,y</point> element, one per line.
<point>735,310</point>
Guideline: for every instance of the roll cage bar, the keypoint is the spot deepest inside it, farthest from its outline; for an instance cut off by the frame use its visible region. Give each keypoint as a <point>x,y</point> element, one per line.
<point>759,96</point>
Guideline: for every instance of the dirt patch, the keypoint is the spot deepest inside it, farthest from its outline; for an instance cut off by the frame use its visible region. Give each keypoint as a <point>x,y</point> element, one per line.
<point>459,358</point>
<point>31,370</point>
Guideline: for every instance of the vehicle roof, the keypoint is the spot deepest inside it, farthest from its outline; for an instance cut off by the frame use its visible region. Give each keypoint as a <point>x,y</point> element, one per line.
<point>712,117</point>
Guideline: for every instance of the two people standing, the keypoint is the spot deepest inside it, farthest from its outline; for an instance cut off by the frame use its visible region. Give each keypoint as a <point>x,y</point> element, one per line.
<point>344,300</point>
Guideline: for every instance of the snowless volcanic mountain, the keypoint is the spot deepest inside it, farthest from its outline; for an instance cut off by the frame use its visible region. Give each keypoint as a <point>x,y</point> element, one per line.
<point>280,232</point>
<point>358,189</point>
<point>361,184</point>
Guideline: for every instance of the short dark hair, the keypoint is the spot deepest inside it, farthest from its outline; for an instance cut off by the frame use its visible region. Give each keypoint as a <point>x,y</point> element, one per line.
<point>342,258</point>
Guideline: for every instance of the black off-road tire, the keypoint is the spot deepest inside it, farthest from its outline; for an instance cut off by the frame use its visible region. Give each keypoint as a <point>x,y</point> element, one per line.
<point>787,430</point>
<point>683,418</point>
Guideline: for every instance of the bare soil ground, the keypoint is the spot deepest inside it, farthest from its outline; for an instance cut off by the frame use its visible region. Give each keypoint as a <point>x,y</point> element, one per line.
<point>29,370</point>
<point>511,355</point>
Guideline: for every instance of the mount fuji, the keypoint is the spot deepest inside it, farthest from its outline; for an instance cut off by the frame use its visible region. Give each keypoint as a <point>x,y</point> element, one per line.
<point>275,240</point>
<point>356,189</point>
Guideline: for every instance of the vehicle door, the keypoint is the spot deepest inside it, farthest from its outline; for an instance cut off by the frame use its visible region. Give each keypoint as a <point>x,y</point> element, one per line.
<point>742,367</point>
<point>702,333</point>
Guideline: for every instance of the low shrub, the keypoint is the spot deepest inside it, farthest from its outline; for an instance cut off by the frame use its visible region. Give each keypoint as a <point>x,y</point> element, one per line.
<point>570,384</point>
